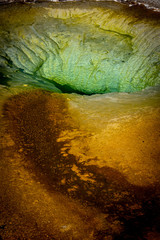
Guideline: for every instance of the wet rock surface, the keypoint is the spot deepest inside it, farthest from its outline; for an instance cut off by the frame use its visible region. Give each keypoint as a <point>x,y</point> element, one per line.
<point>148,3</point>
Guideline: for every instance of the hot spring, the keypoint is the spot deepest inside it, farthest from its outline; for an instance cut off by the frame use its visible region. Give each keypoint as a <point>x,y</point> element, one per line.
<point>80,122</point>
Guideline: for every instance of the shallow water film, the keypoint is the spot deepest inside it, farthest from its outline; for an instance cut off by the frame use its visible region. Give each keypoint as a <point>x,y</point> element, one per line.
<point>79,122</point>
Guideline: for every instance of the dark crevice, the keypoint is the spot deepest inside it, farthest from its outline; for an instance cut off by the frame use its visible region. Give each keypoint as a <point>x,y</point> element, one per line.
<point>4,80</point>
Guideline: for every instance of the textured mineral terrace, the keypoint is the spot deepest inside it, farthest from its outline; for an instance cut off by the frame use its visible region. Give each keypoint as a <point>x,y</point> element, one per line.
<point>82,47</point>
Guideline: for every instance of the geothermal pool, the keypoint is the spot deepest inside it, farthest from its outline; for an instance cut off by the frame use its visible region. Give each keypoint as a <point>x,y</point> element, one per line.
<point>80,121</point>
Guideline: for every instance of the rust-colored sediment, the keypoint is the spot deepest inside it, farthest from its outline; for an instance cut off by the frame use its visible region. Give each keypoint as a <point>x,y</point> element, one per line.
<point>52,187</point>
